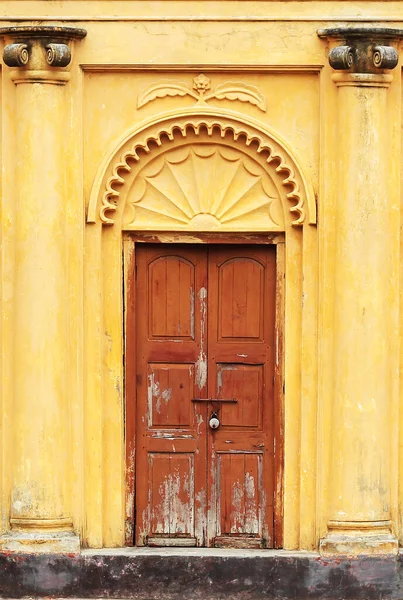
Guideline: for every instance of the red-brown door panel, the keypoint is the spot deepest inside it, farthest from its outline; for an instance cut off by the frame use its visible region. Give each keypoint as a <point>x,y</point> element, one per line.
<point>171,439</point>
<point>241,336</point>
<point>206,319</point>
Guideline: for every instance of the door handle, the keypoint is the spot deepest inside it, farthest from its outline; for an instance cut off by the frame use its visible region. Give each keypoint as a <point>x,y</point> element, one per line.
<point>214,400</point>
<point>214,421</point>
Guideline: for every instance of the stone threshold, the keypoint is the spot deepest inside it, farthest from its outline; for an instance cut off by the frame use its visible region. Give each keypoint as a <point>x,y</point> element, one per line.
<point>177,551</point>
<point>200,574</point>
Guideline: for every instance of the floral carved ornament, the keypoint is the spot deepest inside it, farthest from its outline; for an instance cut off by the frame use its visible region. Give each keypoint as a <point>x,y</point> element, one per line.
<point>205,170</point>
<point>200,91</point>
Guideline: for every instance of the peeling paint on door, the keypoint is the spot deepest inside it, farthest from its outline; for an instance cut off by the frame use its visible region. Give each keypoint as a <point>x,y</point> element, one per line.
<point>204,487</point>
<point>201,364</point>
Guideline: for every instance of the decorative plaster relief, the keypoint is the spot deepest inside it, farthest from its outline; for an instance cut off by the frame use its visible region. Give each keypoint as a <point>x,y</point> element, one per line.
<point>230,90</point>
<point>39,53</point>
<point>344,58</point>
<point>58,55</point>
<point>212,171</point>
<point>203,187</point>
<point>272,156</point>
<point>363,49</point>
<point>16,55</point>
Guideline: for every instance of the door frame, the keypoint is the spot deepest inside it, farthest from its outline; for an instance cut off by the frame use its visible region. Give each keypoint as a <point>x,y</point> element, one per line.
<point>130,239</point>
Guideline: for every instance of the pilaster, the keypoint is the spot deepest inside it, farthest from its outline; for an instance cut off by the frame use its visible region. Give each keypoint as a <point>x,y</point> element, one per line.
<point>38,59</point>
<point>360,519</point>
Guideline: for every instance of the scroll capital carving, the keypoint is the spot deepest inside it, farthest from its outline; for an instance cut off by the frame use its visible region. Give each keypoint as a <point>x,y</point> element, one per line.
<point>39,53</point>
<point>16,55</point>
<point>366,50</point>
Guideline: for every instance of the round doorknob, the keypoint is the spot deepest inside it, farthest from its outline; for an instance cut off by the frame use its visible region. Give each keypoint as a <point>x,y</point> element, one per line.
<point>214,422</point>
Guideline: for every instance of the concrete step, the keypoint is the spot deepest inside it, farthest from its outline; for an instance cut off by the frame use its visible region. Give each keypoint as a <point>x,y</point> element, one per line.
<point>200,574</point>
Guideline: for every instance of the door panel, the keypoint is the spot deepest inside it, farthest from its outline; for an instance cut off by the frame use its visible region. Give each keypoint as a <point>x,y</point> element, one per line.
<point>245,384</point>
<point>171,446</point>
<point>170,387</point>
<point>206,322</point>
<point>172,495</point>
<point>171,306</point>
<point>241,317</point>
<point>240,479</point>
<point>240,294</point>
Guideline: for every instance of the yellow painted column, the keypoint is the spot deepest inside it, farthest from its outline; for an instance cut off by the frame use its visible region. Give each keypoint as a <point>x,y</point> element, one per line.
<point>40,503</point>
<point>360,474</point>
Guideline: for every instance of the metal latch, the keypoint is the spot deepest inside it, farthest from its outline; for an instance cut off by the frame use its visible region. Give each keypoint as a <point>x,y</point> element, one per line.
<point>214,400</point>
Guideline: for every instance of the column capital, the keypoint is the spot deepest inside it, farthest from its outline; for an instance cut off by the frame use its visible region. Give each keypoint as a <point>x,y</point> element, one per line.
<point>366,50</point>
<point>39,53</point>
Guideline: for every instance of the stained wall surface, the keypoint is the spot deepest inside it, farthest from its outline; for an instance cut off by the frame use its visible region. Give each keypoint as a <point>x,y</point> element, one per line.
<point>146,82</point>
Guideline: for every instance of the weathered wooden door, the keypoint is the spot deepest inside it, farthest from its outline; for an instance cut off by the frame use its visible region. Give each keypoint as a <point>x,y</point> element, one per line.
<point>205,346</point>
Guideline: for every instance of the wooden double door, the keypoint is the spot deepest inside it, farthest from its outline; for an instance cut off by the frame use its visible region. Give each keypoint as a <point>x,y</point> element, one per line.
<point>205,331</point>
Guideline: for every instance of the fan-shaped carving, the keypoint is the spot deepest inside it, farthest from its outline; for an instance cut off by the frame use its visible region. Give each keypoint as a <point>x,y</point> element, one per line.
<point>116,175</point>
<point>203,187</point>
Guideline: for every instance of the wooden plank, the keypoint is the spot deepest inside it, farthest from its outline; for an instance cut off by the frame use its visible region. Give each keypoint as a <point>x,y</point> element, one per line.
<point>130,385</point>
<point>241,351</point>
<point>197,237</point>
<point>171,448</point>
<point>178,542</point>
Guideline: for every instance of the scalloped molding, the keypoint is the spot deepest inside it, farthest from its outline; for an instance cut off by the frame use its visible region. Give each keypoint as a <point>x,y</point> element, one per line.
<point>269,149</point>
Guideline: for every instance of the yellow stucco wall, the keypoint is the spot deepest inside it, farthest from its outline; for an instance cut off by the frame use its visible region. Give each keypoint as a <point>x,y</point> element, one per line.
<point>62,464</point>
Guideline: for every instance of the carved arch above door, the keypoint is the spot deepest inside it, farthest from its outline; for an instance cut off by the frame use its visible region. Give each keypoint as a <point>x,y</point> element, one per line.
<point>155,151</point>
<point>201,171</point>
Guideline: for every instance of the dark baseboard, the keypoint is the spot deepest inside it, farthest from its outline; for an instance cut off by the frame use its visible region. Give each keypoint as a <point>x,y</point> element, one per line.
<point>163,575</point>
